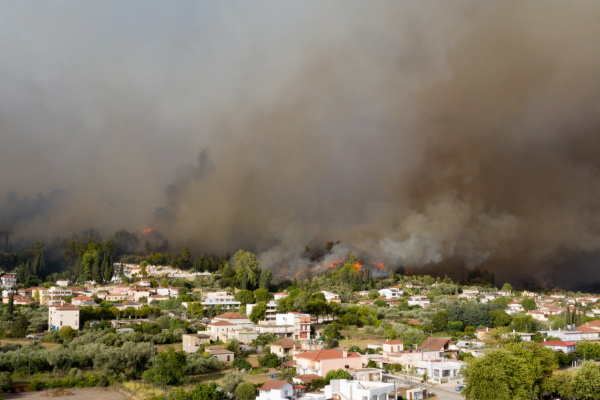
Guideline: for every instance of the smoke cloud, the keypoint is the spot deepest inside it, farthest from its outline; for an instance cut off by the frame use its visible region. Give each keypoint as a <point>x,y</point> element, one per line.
<point>456,135</point>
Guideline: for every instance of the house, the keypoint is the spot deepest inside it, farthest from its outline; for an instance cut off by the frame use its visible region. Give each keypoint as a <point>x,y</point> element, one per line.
<point>281,390</point>
<point>244,336</point>
<point>271,312</point>
<point>218,330</point>
<point>157,297</point>
<point>163,291</point>
<point>367,374</point>
<point>294,325</point>
<point>284,347</point>
<point>53,295</point>
<point>22,301</point>
<point>121,289</point>
<point>8,280</point>
<point>144,283</point>
<point>589,332</point>
<point>560,345</point>
<point>79,300</point>
<point>116,297</point>
<point>191,342</point>
<point>342,389</point>
<point>63,314</point>
<point>565,335</point>
<point>62,282</point>
<point>234,318</point>
<point>443,345</point>
<point>220,353</point>
<point>322,361</point>
<point>280,295</point>
<point>515,307</point>
<point>391,293</point>
<point>411,285</point>
<point>440,372</point>
<point>469,294</point>
<point>307,378</point>
<point>363,293</point>
<point>482,333</point>
<point>128,304</point>
<point>421,301</point>
<point>138,292</point>
<point>222,298</point>
<point>392,346</point>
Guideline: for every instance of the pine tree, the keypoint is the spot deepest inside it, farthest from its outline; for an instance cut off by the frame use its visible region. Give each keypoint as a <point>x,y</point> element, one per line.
<point>567,315</point>
<point>108,270</point>
<point>34,265</point>
<point>211,265</point>
<point>96,273</point>
<point>203,264</point>
<point>42,266</point>
<point>11,302</point>
<point>121,269</point>
<point>186,259</point>
<point>104,266</point>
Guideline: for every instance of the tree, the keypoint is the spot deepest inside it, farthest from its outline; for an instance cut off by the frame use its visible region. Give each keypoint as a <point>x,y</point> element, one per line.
<point>246,261</point>
<point>109,270</point>
<point>36,295</point>
<point>67,333</point>
<point>269,360</point>
<point>11,304</point>
<point>158,258</point>
<point>244,297</point>
<point>259,312</point>
<point>266,279</point>
<point>186,259</point>
<point>337,374</point>
<point>232,380</point>
<point>245,391</point>
<point>262,295</point>
<point>529,304</point>
<point>204,392</point>
<point>507,287</point>
<point>440,321</point>
<point>501,318</point>
<point>586,381</point>
<point>371,364</point>
<point>169,369</point>
<point>143,266</point>
<point>241,363</point>
<point>164,282</point>
<point>332,330</point>
<point>18,329</point>
<point>96,272</point>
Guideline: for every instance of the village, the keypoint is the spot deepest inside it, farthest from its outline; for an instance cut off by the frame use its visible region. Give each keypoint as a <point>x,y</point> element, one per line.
<point>406,337</point>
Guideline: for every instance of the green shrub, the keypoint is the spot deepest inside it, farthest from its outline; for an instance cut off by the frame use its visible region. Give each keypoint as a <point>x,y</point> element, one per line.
<point>241,363</point>
<point>36,385</point>
<point>5,382</point>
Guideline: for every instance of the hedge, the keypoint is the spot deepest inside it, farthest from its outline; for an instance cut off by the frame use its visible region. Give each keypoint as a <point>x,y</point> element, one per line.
<point>88,381</point>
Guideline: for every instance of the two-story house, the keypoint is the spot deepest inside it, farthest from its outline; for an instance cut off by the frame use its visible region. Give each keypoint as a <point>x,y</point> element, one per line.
<point>322,361</point>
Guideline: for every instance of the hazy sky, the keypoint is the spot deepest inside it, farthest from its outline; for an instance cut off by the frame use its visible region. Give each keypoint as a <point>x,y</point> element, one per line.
<point>457,133</point>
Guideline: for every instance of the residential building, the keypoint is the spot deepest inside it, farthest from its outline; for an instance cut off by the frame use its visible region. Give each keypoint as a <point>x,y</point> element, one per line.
<point>222,298</point>
<point>234,318</point>
<point>515,307</point>
<point>482,333</point>
<point>322,361</point>
<point>271,312</point>
<point>443,345</point>
<point>8,280</point>
<point>564,335</point>
<point>560,345</point>
<point>244,336</point>
<point>63,314</point>
<point>191,342</point>
<point>80,300</point>
<point>282,390</point>
<point>342,389</point>
<point>219,329</point>
<point>284,347</point>
<point>62,282</point>
<point>421,301</point>
<point>394,292</point>
<point>128,304</point>
<point>392,346</point>
<point>144,283</point>
<point>53,295</point>
<point>116,297</point>
<point>440,371</point>
<point>220,353</point>
<point>589,332</point>
<point>280,295</point>
<point>157,297</point>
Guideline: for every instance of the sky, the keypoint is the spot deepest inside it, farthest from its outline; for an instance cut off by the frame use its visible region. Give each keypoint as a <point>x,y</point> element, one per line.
<point>460,134</point>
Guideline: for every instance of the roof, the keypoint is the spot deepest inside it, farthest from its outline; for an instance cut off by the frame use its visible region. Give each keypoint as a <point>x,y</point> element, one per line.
<point>221,323</point>
<point>273,384</point>
<point>413,322</point>
<point>561,343</point>
<point>434,343</point>
<point>66,307</point>
<point>220,351</point>
<point>281,294</point>
<point>82,298</point>
<point>584,328</point>
<point>285,343</point>
<point>231,315</point>
<point>325,355</point>
<point>307,378</point>
<point>392,342</point>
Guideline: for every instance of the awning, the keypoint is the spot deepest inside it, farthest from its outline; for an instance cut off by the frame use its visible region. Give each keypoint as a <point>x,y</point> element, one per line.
<point>300,387</point>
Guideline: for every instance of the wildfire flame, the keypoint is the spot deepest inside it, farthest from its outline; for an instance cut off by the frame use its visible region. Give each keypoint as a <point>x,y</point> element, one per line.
<point>336,263</point>
<point>358,266</point>
<point>378,265</point>
<point>297,275</point>
<point>146,231</point>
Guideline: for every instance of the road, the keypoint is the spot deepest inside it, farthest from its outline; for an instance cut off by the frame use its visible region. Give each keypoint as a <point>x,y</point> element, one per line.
<point>442,393</point>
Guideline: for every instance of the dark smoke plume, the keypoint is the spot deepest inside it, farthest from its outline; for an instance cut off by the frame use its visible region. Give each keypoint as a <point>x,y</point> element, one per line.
<point>456,135</point>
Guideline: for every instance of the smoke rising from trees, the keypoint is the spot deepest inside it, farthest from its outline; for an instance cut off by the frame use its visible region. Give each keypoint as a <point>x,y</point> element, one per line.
<point>462,134</point>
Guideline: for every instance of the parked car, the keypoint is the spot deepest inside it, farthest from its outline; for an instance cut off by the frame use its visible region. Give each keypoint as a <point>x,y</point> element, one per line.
<point>459,388</point>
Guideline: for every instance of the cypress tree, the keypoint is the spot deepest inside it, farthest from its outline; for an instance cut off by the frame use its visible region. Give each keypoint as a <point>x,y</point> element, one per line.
<point>202,263</point>
<point>108,270</point>
<point>11,301</point>
<point>121,269</point>
<point>42,266</point>
<point>96,273</point>
<point>567,315</point>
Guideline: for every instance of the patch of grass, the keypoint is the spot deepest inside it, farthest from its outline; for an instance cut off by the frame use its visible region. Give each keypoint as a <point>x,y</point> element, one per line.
<point>141,391</point>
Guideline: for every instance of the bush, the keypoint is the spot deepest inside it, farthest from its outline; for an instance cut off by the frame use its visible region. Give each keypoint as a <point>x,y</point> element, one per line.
<point>88,381</point>
<point>36,385</point>
<point>5,382</point>
<point>241,363</point>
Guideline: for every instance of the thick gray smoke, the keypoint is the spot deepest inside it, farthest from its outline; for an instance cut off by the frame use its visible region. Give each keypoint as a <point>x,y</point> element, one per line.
<point>462,134</point>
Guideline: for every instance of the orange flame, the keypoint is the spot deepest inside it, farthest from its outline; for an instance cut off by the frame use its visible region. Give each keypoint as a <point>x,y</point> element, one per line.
<point>297,275</point>
<point>378,265</point>
<point>336,263</point>
<point>146,231</point>
<point>358,266</point>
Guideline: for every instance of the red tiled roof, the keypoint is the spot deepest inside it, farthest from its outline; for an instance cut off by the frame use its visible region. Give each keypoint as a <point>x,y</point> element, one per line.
<point>307,378</point>
<point>231,315</point>
<point>221,323</point>
<point>325,355</point>
<point>392,342</point>
<point>433,344</point>
<point>285,343</point>
<point>557,343</point>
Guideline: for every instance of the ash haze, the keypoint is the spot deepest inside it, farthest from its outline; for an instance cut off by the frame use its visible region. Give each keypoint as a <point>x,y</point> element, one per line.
<point>455,134</point>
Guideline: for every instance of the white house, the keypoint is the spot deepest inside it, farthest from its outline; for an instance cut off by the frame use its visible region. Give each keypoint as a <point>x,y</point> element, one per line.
<point>515,307</point>
<point>63,314</point>
<point>565,335</point>
<point>440,372</point>
<point>421,301</point>
<point>280,295</point>
<point>394,292</point>
<point>561,345</point>
<point>342,389</point>
<point>281,390</point>
<point>62,282</point>
<point>222,298</point>
<point>392,346</point>
<point>8,280</point>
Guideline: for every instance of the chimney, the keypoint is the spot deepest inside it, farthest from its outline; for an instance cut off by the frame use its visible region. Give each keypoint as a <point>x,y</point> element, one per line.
<point>345,353</point>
